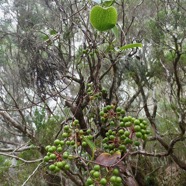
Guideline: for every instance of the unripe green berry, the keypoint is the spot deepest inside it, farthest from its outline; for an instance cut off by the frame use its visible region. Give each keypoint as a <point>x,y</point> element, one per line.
<point>67,167</point>
<point>115,172</point>
<point>59,149</point>
<point>103,181</point>
<point>96,167</point>
<point>127,133</point>
<point>57,142</point>
<point>52,167</point>
<point>113,179</point>
<point>52,156</point>
<point>138,134</point>
<point>136,122</point>
<point>89,181</point>
<point>46,159</point>
<point>84,144</point>
<point>65,155</point>
<point>96,174</point>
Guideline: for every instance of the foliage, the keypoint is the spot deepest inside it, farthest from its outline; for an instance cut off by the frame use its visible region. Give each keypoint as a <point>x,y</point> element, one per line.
<point>84,107</point>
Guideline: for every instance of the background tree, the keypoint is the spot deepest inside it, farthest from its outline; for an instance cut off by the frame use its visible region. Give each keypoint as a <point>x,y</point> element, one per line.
<point>56,70</point>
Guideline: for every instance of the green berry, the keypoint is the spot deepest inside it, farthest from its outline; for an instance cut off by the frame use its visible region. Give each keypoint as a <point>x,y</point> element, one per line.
<point>128,141</point>
<point>76,122</point>
<point>103,181</point>
<point>144,122</point>
<point>52,167</point>
<point>143,126</point>
<point>103,119</point>
<point>84,144</point>
<point>89,131</point>
<point>118,109</point>
<point>90,137</point>
<point>96,174</point>
<point>137,143</point>
<point>52,149</point>
<point>96,167</point>
<point>68,142</point>
<point>61,164</point>
<point>143,131</point>
<point>62,142</point>
<point>57,142</point>
<point>115,172</point>
<point>105,140</point>
<point>65,155</point>
<point>123,112</point>
<point>144,137</point>
<point>101,113</point>
<point>66,128</point>
<point>110,131</point>
<point>52,156</point>
<point>113,179</point>
<point>72,142</point>
<point>46,159</point>
<point>123,137</point>
<point>92,172</point>
<point>59,149</point>
<point>64,135</point>
<point>121,132</point>
<point>130,118</point>
<point>128,124</point>
<point>89,181</point>
<point>147,131</point>
<point>112,123</point>
<point>136,122</point>
<point>109,107</point>
<point>111,137</point>
<point>118,179</point>
<point>48,153</point>
<point>57,169</point>
<point>122,148</point>
<point>127,133</point>
<point>138,134</point>
<point>137,128</point>
<point>81,132</point>
<point>125,119</point>
<point>122,124</point>
<point>67,167</point>
<point>47,147</point>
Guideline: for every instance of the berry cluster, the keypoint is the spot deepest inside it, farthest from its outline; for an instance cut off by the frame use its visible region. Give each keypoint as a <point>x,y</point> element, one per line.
<point>124,131</point>
<point>93,92</point>
<point>100,176</point>
<point>54,157</point>
<point>58,154</point>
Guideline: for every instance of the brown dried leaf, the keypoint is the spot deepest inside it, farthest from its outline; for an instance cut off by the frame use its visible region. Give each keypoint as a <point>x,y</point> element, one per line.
<point>107,159</point>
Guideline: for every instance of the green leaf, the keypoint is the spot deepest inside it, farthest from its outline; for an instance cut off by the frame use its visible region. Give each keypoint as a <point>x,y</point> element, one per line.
<point>107,3</point>
<point>134,45</point>
<point>53,32</point>
<point>90,143</point>
<point>45,37</point>
<point>115,32</point>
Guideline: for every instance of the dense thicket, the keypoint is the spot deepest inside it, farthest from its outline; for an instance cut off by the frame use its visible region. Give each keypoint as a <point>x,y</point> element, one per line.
<point>55,68</point>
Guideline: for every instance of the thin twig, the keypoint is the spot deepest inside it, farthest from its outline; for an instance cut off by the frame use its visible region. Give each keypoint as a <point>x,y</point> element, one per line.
<point>21,159</point>
<point>32,174</point>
